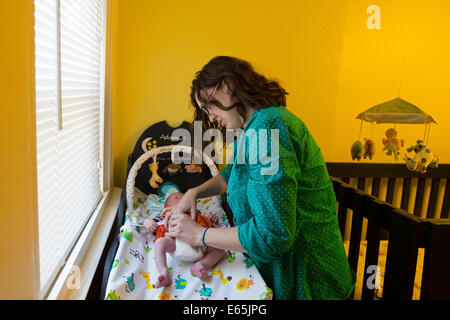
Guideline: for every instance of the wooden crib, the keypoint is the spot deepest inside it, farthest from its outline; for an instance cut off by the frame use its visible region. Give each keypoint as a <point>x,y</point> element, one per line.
<point>397,221</point>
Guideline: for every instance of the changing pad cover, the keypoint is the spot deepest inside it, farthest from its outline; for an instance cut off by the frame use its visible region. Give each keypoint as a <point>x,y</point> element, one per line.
<point>134,273</point>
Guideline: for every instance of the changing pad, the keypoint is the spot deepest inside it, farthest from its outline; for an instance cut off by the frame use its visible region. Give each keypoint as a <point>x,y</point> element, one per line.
<point>134,273</point>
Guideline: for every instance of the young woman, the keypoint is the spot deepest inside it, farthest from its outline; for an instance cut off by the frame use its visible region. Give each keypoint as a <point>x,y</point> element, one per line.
<point>285,221</point>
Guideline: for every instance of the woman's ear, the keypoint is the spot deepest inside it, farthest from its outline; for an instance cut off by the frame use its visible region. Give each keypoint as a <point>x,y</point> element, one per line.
<point>227,86</point>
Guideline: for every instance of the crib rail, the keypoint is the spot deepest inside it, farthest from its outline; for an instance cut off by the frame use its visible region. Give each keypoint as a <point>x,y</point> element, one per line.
<point>407,233</point>
<point>425,195</point>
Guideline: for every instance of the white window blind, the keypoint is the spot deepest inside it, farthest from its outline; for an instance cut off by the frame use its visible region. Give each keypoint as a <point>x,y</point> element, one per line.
<point>68,50</point>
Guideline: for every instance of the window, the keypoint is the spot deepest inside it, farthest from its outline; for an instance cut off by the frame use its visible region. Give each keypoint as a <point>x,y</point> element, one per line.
<point>69,51</point>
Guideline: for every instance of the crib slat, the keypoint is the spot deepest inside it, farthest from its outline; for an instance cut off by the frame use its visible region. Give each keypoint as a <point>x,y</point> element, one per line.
<point>358,205</point>
<point>342,206</point>
<point>419,197</point>
<point>342,217</point>
<point>389,199</point>
<point>405,194</point>
<point>376,187</point>
<point>433,198</point>
<point>390,191</point>
<point>361,183</point>
<point>373,246</point>
<point>436,265</point>
<point>445,212</point>
<point>404,235</point>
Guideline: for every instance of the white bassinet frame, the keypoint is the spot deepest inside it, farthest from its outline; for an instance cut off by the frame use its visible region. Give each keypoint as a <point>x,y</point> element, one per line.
<point>153,153</point>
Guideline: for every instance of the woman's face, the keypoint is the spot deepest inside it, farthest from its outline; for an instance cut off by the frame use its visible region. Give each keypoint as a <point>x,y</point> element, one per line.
<point>230,119</point>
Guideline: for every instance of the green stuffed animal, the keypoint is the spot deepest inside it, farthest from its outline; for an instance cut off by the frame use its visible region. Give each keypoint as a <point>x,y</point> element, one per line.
<point>357,150</point>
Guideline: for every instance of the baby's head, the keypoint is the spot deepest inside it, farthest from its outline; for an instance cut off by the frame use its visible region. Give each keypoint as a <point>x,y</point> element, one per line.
<point>173,199</point>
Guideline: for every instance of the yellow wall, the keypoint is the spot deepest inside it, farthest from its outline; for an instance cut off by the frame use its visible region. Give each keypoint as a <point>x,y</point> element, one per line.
<point>414,34</point>
<point>159,45</point>
<point>321,51</point>
<point>18,245</point>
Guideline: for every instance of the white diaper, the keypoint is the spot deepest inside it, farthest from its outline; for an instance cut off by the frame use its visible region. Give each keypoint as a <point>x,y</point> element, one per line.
<point>186,252</point>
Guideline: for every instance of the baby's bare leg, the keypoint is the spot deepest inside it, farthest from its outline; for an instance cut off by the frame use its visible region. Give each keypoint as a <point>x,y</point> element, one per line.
<point>163,245</point>
<point>211,257</point>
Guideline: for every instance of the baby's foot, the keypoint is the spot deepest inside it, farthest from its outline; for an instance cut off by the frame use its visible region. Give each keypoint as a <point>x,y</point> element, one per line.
<point>198,270</point>
<point>164,280</point>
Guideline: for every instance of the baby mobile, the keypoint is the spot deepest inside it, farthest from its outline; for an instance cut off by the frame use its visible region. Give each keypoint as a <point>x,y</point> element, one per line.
<point>171,169</point>
<point>397,111</point>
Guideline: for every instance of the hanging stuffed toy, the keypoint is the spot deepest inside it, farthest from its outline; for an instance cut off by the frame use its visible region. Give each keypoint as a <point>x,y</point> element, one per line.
<point>192,168</point>
<point>392,144</point>
<point>357,147</point>
<point>423,158</point>
<point>155,179</point>
<point>369,148</point>
<point>173,169</point>
<point>356,150</point>
<point>417,147</point>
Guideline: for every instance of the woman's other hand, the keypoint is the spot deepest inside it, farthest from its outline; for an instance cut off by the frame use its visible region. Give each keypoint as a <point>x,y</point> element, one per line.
<point>187,203</point>
<point>184,228</point>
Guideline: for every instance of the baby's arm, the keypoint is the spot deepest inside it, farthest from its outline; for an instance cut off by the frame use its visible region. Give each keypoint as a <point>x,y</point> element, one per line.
<point>150,225</point>
<point>211,217</point>
<point>214,219</point>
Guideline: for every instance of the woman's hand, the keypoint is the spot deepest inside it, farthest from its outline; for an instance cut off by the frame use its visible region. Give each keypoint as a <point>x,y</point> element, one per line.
<point>187,203</point>
<point>184,228</point>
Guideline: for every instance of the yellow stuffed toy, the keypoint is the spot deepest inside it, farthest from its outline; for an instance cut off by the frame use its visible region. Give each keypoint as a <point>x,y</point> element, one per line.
<point>155,179</point>
<point>392,144</point>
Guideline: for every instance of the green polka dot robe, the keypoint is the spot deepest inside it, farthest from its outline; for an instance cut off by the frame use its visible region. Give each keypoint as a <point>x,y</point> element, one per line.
<point>286,217</point>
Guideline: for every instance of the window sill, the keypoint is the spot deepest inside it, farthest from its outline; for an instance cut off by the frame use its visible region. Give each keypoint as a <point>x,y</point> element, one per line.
<point>75,278</point>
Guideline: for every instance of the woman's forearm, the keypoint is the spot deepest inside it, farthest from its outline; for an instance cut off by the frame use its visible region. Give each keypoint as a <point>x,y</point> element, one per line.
<point>214,186</point>
<point>223,238</point>
<point>220,238</point>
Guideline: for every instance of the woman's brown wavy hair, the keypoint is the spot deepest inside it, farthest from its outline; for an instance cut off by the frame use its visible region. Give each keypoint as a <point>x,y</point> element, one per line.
<point>250,88</point>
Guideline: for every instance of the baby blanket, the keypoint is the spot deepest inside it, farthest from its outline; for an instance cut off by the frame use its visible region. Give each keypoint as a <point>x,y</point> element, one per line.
<point>134,273</point>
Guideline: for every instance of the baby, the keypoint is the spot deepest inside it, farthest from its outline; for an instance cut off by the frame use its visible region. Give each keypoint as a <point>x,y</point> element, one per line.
<point>165,244</point>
